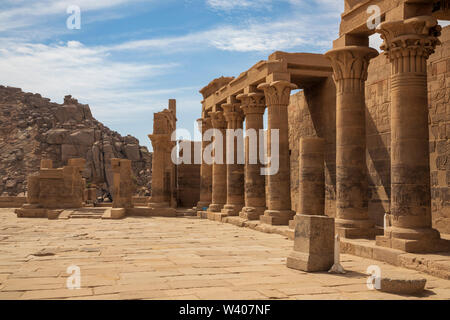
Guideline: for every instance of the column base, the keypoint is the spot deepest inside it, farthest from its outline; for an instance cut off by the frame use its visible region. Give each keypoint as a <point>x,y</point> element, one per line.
<point>252,213</point>
<point>115,214</point>
<point>215,216</point>
<point>163,209</point>
<point>215,207</point>
<point>277,217</point>
<point>231,210</point>
<point>357,229</point>
<point>159,205</point>
<point>425,240</point>
<point>203,206</point>
<point>313,244</point>
<point>202,214</point>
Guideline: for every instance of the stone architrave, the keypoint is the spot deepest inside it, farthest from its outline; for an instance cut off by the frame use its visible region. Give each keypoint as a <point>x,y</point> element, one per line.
<point>235,170</point>
<point>253,106</point>
<point>408,44</point>
<point>350,66</point>
<point>314,231</point>
<point>277,95</point>
<point>219,181</point>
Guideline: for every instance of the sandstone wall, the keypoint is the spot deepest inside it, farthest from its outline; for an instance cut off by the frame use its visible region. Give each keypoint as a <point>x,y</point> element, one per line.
<point>309,116</point>
<point>310,113</point>
<point>188,193</point>
<point>32,128</point>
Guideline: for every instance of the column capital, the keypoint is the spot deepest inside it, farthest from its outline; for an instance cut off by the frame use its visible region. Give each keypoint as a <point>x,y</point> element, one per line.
<point>411,39</point>
<point>351,62</point>
<point>277,92</point>
<point>218,120</point>
<point>204,123</point>
<point>161,141</point>
<point>232,112</point>
<point>253,103</point>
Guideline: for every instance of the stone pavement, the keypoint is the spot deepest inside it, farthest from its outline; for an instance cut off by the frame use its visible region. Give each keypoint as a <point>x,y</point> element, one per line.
<point>169,258</point>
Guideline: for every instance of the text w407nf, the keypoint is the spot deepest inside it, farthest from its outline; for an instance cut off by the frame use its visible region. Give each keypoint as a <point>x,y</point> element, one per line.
<point>230,309</point>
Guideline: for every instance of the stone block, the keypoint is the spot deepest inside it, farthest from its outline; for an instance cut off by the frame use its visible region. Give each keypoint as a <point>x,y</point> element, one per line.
<point>402,284</point>
<point>118,213</point>
<point>313,244</point>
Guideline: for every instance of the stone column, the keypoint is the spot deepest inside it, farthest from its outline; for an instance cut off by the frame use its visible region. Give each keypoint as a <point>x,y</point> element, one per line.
<point>314,231</point>
<point>350,66</point>
<point>123,184</point>
<point>205,170</point>
<point>219,181</point>
<point>311,200</point>
<point>160,143</point>
<point>277,95</point>
<point>408,44</point>
<point>253,106</point>
<point>235,170</point>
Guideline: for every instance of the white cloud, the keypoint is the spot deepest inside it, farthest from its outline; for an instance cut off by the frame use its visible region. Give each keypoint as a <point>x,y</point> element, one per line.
<point>250,36</point>
<point>27,13</point>
<point>228,5</point>
<point>87,73</point>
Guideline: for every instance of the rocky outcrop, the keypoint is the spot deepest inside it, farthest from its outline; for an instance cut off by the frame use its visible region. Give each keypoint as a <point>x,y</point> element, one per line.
<point>33,128</point>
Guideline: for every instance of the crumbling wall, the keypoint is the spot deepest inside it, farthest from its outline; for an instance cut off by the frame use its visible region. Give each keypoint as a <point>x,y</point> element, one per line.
<point>310,113</point>
<point>189,178</point>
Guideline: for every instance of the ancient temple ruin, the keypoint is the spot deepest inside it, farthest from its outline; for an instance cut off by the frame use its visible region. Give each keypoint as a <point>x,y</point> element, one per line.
<point>372,132</point>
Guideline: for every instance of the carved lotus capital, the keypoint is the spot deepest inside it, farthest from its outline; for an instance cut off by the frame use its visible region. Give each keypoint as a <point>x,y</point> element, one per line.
<point>253,103</point>
<point>277,92</point>
<point>416,37</point>
<point>161,142</point>
<point>232,112</point>
<point>218,120</point>
<point>351,62</point>
<point>205,124</point>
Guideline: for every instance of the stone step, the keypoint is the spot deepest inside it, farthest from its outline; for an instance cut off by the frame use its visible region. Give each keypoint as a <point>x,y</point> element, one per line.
<point>83,213</point>
<point>86,216</point>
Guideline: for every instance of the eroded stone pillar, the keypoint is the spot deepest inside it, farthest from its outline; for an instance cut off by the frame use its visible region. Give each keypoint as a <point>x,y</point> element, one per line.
<point>314,231</point>
<point>219,170</point>
<point>253,106</point>
<point>408,44</point>
<point>123,183</point>
<point>235,170</point>
<point>161,144</point>
<point>311,200</point>
<point>205,169</point>
<point>277,95</point>
<point>350,66</point>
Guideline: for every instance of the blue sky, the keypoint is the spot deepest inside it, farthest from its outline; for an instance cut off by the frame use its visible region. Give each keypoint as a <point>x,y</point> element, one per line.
<point>130,57</point>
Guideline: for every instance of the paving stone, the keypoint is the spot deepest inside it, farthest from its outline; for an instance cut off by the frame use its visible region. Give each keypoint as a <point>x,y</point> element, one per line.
<point>172,259</point>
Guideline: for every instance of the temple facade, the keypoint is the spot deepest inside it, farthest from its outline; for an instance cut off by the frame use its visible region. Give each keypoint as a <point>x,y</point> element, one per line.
<point>382,117</point>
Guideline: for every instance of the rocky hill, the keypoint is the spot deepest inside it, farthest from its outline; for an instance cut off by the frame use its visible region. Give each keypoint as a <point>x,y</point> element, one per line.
<point>32,128</point>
